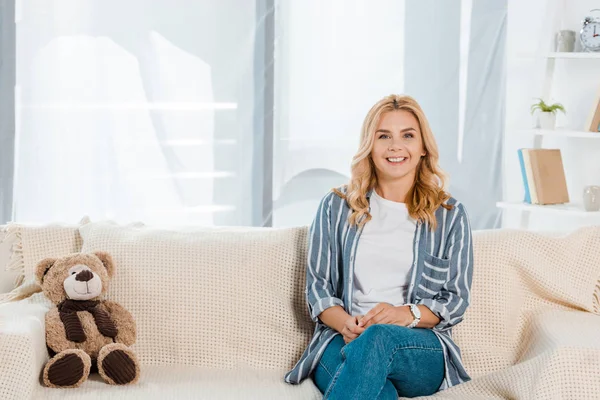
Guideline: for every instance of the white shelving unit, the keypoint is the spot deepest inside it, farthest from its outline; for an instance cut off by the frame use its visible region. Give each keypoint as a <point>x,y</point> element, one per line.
<point>572,210</point>
<point>538,135</point>
<point>555,209</point>
<point>573,55</point>
<point>562,133</point>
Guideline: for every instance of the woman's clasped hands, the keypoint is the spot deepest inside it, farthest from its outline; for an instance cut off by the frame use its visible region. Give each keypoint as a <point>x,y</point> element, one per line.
<point>382,313</point>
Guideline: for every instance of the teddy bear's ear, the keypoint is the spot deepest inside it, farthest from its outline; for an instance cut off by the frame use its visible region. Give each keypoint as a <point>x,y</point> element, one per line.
<point>41,269</point>
<point>107,261</point>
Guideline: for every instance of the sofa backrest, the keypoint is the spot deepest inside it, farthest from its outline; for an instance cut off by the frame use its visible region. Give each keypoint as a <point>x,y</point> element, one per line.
<point>224,297</point>
<point>214,297</point>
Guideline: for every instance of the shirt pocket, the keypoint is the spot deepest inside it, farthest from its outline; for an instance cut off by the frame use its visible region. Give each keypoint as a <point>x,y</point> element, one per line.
<point>434,275</point>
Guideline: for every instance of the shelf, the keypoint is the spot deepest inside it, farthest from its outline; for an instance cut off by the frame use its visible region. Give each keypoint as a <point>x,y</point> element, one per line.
<point>563,55</point>
<point>556,209</point>
<point>573,55</point>
<point>562,133</point>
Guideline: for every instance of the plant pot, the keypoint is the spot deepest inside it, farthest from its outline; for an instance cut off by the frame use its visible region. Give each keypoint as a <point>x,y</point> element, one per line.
<point>547,120</point>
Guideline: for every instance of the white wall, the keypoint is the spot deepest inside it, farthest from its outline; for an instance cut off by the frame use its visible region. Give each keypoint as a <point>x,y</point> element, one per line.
<point>575,84</point>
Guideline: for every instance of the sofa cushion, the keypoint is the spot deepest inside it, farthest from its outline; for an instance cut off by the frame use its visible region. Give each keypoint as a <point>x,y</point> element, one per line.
<point>29,245</point>
<point>212,297</point>
<point>185,382</point>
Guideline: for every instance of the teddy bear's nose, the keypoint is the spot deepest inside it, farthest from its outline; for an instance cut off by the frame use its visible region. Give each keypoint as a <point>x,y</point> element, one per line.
<point>84,276</point>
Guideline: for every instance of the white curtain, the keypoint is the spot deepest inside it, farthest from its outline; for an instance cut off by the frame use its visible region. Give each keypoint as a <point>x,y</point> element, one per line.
<point>231,113</point>
<point>134,110</point>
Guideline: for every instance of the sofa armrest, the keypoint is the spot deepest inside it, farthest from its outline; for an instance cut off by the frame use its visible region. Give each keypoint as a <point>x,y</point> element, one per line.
<point>7,276</point>
<point>22,348</point>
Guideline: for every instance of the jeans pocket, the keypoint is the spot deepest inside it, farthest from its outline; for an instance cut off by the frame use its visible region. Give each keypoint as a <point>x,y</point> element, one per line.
<point>434,275</point>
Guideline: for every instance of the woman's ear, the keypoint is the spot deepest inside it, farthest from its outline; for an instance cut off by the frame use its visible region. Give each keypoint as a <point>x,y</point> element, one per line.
<point>41,269</point>
<point>107,261</point>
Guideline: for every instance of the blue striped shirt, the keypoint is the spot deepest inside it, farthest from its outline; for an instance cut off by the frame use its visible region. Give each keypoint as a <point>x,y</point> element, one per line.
<point>440,277</point>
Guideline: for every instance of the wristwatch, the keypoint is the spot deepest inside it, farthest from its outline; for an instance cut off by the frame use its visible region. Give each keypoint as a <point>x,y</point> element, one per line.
<point>414,310</point>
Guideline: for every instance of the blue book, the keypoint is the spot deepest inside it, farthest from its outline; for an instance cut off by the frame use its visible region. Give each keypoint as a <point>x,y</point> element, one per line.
<point>524,174</point>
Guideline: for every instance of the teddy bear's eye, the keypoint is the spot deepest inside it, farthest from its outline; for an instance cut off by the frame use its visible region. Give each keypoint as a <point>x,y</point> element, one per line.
<point>73,273</point>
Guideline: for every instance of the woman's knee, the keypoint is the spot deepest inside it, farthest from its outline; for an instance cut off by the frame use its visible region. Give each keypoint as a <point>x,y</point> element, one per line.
<point>378,340</point>
<point>370,341</point>
<point>381,333</point>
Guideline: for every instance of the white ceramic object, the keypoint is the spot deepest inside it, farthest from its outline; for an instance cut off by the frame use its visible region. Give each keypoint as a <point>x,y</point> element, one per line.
<point>591,198</point>
<point>547,120</point>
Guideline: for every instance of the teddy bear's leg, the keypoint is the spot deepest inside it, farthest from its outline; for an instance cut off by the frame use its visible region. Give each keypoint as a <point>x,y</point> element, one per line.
<point>118,364</point>
<point>67,369</point>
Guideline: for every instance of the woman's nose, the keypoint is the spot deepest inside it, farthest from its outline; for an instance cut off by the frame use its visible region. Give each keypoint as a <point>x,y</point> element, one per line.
<point>395,145</point>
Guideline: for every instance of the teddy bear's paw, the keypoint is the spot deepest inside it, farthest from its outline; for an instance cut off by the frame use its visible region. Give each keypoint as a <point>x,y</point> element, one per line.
<point>67,369</point>
<point>118,364</point>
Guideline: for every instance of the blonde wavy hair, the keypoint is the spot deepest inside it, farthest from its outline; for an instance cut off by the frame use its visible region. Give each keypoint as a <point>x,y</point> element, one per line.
<point>427,193</point>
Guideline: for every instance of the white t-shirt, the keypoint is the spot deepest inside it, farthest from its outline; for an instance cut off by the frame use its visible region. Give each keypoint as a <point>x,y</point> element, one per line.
<point>383,257</point>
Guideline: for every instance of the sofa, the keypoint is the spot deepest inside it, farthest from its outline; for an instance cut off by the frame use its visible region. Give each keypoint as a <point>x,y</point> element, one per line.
<point>221,312</point>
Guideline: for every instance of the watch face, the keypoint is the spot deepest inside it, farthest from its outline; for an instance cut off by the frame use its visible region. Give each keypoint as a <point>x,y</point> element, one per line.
<point>416,312</point>
<point>590,36</point>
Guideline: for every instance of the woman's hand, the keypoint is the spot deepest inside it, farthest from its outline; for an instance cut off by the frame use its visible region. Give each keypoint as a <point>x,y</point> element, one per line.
<point>385,313</point>
<point>351,329</point>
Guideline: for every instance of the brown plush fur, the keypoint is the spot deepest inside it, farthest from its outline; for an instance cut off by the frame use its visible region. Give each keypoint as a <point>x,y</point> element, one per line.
<point>56,337</point>
<point>51,274</point>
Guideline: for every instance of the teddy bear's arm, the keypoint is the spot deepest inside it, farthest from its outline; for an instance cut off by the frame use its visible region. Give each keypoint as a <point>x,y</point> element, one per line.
<point>122,320</point>
<point>56,335</point>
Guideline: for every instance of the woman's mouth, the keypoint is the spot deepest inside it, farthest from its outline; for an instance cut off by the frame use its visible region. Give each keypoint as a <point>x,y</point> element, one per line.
<point>396,160</point>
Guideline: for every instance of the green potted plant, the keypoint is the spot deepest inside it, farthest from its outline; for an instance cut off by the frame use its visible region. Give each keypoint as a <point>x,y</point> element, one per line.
<point>547,113</point>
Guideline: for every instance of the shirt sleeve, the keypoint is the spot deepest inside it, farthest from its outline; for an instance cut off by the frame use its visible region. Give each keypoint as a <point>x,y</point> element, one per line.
<point>319,291</point>
<point>450,304</point>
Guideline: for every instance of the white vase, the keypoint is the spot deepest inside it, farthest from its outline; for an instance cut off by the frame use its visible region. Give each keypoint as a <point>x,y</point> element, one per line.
<point>547,120</point>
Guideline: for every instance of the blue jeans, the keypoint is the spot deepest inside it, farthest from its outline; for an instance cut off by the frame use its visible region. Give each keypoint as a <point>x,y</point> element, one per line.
<point>384,362</point>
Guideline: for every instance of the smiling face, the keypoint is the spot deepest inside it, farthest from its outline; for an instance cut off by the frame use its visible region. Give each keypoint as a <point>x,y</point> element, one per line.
<point>398,147</point>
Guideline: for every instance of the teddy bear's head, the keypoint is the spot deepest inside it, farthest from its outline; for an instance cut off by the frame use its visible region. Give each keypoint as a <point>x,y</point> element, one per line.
<point>76,276</point>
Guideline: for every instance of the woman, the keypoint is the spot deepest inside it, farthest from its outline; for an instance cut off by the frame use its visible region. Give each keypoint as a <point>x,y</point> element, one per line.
<point>390,268</point>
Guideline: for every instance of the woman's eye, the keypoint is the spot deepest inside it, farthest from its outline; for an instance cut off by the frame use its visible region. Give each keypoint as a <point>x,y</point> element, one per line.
<point>384,136</point>
<point>409,135</point>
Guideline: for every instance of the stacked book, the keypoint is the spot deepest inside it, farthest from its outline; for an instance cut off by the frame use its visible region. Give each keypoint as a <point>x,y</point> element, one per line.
<point>593,122</point>
<point>543,176</point>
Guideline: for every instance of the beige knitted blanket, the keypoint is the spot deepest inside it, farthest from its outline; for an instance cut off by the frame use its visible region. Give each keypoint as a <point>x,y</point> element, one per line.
<point>532,330</point>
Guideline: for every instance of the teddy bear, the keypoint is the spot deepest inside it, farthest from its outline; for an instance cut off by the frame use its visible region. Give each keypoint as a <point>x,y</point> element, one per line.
<point>84,332</point>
